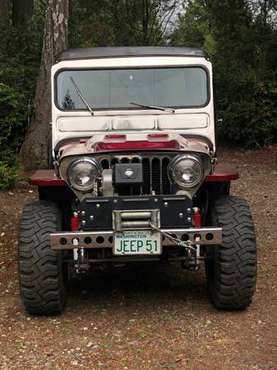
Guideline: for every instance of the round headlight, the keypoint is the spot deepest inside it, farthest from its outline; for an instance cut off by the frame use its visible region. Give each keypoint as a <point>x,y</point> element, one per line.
<point>82,174</point>
<point>186,171</point>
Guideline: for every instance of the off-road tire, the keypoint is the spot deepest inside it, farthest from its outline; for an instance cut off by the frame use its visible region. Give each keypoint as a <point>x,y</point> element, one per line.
<point>41,276</point>
<point>231,268</point>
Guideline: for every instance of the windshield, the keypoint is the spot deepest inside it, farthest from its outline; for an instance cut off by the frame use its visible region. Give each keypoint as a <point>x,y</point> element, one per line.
<point>180,87</point>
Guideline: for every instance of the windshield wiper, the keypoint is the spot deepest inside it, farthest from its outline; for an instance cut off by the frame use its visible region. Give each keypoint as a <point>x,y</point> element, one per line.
<point>170,110</point>
<point>78,91</point>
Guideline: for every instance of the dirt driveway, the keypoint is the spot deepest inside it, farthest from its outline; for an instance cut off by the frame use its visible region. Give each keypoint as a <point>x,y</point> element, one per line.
<point>150,318</point>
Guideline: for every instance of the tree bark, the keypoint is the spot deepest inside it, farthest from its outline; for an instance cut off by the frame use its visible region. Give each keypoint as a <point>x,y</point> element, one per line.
<point>4,10</point>
<point>35,149</point>
<point>22,12</point>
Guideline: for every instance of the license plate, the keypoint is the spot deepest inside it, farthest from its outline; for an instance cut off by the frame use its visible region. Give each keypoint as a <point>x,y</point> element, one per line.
<point>137,242</point>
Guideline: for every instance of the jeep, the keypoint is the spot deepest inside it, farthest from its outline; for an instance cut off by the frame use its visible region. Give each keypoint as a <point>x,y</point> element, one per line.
<point>134,178</point>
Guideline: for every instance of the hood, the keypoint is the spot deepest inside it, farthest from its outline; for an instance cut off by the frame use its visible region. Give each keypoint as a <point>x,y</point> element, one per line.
<point>103,143</point>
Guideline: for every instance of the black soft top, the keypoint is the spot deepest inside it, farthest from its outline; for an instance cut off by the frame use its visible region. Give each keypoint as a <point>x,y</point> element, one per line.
<point>111,52</point>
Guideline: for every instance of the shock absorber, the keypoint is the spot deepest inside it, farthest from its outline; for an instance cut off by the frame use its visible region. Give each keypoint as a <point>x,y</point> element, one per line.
<point>74,222</point>
<point>78,253</point>
<point>197,223</point>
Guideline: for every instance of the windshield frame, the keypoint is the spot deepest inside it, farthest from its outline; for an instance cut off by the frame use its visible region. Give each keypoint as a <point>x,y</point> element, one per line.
<point>126,109</point>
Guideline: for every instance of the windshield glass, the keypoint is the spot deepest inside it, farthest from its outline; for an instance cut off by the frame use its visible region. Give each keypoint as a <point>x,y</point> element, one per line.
<point>117,88</point>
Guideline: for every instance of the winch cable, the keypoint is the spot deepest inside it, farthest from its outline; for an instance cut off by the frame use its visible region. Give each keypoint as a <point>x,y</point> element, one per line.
<point>185,244</point>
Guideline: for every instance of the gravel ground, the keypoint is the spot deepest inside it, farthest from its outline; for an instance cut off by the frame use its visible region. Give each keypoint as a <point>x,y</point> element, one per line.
<point>150,317</point>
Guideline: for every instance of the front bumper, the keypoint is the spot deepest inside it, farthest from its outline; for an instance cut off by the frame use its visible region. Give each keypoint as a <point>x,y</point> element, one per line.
<point>104,238</point>
<point>102,217</point>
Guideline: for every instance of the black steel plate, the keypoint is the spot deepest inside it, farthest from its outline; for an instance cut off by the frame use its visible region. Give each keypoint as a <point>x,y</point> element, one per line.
<point>175,211</point>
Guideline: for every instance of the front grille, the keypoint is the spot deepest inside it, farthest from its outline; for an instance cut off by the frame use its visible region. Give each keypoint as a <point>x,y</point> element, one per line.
<point>155,177</point>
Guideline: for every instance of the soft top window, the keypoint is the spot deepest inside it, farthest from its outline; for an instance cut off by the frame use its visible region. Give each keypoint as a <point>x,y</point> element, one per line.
<point>179,87</point>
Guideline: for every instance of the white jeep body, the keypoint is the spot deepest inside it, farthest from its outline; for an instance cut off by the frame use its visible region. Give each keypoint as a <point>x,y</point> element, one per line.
<point>135,178</point>
<point>198,121</point>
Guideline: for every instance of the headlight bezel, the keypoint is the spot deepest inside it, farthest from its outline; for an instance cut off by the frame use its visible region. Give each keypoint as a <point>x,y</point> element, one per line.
<point>180,182</point>
<point>73,164</point>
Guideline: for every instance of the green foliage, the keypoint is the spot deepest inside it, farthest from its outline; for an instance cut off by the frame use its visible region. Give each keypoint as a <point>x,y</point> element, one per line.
<point>251,122</point>
<point>118,23</point>
<point>244,58</point>
<point>8,175</point>
<point>20,51</point>
<point>193,28</point>
<point>12,120</point>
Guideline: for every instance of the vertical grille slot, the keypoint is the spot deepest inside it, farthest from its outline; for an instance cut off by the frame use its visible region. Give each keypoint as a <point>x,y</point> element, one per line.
<point>105,164</point>
<point>156,175</point>
<point>114,161</point>
<point>146,176</point>
<point>136,160</point>
<point>165,180</point>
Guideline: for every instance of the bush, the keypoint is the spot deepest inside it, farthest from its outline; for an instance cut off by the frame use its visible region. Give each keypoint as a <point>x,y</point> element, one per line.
<point>8,176</point>
<point>250,120</point>
<point>13,115</point>
<point>19,63</point>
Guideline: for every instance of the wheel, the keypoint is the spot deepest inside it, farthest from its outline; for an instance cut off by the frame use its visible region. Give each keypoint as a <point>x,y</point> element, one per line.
<point>231,268</point>
<point>41,276</point>
<point>221,188</point>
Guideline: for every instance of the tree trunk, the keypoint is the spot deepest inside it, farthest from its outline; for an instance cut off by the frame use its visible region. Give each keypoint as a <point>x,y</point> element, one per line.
<point>35,149</point>
<point>4,10</point>
<point>22,12</point>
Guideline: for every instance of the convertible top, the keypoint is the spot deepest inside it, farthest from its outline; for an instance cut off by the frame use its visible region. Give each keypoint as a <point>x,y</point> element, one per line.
<point>111,52</point>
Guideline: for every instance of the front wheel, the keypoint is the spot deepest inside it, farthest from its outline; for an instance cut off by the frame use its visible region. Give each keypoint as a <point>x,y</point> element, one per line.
<point>41,276</point>
<point>231,268</point>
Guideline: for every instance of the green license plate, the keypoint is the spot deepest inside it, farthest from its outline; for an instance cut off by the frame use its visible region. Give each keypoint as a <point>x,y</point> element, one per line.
<point>137,242</point>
